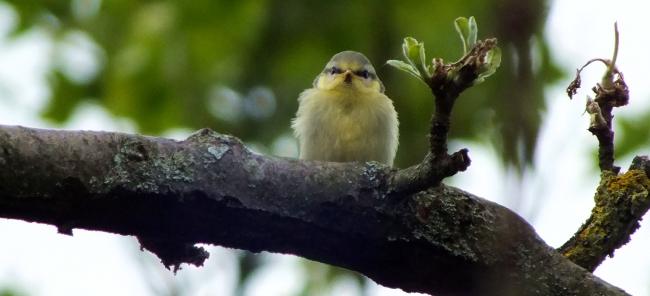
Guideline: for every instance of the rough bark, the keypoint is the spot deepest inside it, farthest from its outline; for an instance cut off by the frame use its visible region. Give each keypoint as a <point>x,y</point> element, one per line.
<point>621,201</point>
<point>211,189</point>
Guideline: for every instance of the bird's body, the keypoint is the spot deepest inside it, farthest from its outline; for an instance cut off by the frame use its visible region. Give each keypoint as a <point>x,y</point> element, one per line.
<point>346,116</point>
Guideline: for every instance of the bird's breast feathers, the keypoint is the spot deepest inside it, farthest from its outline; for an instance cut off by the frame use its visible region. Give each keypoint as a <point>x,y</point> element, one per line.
<point>344,126</point>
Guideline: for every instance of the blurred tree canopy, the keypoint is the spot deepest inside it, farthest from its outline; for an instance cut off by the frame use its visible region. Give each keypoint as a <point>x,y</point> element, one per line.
<point>238,66</point>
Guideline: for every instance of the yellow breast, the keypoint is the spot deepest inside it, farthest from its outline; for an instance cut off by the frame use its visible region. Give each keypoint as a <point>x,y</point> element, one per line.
<point>342,126</point>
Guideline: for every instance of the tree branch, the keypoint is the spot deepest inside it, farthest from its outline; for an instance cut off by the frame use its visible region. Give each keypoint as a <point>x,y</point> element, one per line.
<point>211,189</point>
<point>610,93</point>
<point>621,202</point>
<point>621,199</point>
<point>446,82</point>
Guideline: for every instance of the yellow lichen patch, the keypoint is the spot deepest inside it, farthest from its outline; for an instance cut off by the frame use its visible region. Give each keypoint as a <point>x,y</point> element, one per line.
<point>631,181</point>
<point>621,200</point>
<point>574,252</point>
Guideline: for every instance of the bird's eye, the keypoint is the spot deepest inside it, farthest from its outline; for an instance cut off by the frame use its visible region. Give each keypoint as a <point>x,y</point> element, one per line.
<point>335,70</point>
<point>363,73</point>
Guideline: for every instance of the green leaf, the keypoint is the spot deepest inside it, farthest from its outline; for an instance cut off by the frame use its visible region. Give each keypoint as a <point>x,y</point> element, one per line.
<point>406,67</point>
<point>462,27</point>
<point>490,65</point>
<point>424,69</point>
<point>468,31</point>
<point>410,51</point>
<point>473,32</point>
<point>492,61</point>
<point>415,55</point>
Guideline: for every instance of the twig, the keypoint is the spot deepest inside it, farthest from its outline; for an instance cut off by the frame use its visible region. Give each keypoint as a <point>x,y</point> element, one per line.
<point>611,92</point>
<point>621,199</point>
<point>446,84</point>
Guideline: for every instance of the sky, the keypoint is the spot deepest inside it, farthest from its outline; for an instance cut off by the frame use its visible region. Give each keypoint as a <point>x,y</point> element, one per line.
<point>36,259</point>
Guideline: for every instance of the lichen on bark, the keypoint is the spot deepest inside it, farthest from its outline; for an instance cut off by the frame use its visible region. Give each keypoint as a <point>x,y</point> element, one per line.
<point>620,202</point>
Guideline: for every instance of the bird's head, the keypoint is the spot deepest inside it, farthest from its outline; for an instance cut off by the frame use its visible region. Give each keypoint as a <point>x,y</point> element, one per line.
<point>349,71</point>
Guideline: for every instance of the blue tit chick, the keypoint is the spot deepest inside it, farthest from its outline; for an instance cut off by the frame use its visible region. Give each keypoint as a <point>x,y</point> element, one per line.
<point>346,116</point>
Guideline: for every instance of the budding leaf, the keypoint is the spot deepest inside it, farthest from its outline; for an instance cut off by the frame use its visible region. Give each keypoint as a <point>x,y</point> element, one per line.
<point>491,63</point>
<point>408,68</point>
<point>424,69</point>
<point>410,51</point>
<point>473,32</point>
<point>414,53</point>
<point>468,32</point>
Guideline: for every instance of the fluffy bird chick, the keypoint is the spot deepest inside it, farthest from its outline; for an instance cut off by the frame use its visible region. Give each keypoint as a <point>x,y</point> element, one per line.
<point>345,116</point>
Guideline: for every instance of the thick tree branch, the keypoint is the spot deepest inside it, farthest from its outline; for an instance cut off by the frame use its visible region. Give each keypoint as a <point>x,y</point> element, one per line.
<point>211,189</point>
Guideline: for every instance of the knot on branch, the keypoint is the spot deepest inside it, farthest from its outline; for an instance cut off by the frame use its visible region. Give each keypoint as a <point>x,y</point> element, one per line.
<point>614,93</point>
<point>208,136</point>
<point>172,253</point>
<point>641,163</point>
<point>460,160</point>
<point>217,145</point>
<point>429,173</point>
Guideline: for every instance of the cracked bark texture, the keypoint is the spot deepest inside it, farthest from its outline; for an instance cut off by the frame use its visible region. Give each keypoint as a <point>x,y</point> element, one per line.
<point>211,189</point>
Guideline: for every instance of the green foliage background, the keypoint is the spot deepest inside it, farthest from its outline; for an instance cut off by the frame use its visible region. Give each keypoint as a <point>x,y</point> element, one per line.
<point>165,64</point>
<point>238,67</point>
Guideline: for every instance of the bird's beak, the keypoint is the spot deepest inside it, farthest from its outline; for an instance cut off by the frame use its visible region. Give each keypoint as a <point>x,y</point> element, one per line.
<point>348,76</point>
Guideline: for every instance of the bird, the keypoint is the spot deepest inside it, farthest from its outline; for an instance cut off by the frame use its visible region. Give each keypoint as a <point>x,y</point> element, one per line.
<point>345,116</point>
